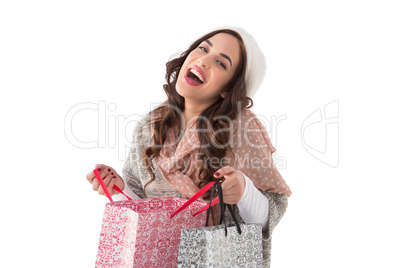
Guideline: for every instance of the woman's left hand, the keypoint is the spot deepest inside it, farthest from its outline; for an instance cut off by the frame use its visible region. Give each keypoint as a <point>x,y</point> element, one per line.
<point>233,186</point>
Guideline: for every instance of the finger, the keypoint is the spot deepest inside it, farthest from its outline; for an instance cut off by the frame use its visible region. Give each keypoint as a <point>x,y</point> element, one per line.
<point>106,180</point>
<point>231,201</point>
<point>232,188</point>
<point>95,184</point>
<point>101,166</point>
<point>110,185</point>
<point>228,183</point>
<point>106,171</point>
<point>232,185</point>
<point>232,198</point>
<point>227,170</point>
<point>90,176</point>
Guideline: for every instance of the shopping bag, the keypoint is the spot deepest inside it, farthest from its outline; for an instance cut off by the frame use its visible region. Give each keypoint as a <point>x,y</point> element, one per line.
<point>142,233</point>
<point>224,245</point>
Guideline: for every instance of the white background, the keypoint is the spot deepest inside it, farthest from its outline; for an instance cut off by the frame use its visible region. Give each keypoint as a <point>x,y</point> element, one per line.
<point>55,55</point>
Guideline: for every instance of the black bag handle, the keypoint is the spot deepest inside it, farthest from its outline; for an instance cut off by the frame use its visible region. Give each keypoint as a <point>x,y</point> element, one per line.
<point>223,208</point>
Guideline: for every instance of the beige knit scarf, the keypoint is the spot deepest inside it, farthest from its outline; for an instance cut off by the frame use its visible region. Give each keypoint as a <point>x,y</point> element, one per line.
<point>179,162</point>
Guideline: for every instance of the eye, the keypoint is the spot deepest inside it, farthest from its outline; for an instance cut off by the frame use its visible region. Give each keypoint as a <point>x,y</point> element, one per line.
<point>203,49</point>
<point>221,64</point>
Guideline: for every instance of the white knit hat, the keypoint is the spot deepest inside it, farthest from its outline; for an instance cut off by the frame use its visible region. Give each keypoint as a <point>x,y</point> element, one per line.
<point>256,66</point>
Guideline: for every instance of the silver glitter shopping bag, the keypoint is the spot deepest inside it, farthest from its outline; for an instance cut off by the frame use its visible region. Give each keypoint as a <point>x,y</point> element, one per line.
<point>224,245</point>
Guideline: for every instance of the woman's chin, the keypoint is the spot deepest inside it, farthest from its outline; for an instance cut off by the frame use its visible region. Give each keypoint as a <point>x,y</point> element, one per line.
<point>184,90</point>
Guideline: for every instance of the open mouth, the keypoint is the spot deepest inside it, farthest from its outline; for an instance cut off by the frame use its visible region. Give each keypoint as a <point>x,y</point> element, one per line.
<point>193,77</point>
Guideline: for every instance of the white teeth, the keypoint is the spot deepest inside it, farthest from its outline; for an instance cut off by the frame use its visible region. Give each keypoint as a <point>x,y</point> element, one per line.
<point>197,74</point>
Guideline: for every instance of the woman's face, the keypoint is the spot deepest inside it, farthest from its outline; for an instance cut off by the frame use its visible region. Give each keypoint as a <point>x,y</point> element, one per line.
<point>208,68</point>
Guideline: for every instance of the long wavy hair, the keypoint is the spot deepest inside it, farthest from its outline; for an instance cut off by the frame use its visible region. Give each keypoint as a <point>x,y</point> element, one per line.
<point>228,107</point>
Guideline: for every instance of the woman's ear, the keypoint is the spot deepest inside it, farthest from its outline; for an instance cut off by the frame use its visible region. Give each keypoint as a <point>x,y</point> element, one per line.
<point>223,94</point>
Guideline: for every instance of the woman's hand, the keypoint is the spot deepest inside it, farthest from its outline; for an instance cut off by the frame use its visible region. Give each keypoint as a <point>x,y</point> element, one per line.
<point>233,185</point>
<point>109,177</point>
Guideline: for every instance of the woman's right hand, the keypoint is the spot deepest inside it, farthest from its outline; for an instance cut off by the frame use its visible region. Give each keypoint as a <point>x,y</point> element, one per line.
<point>109,177</point>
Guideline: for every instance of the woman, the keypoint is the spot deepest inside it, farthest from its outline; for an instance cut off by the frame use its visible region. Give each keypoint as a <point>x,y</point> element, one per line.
<point>205,131</point>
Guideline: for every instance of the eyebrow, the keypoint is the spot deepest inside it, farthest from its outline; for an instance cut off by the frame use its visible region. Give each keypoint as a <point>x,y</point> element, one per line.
<point>223,55</point>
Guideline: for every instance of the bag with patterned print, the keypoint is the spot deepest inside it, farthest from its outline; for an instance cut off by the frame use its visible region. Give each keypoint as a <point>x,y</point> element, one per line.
<point>224,245</point>
<point>141,233</point>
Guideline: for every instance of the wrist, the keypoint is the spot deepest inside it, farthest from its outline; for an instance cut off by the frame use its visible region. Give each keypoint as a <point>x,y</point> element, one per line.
<point>245,189</point>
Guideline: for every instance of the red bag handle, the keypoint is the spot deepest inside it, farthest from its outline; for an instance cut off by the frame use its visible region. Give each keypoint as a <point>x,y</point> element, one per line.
<point>195,197</point>
<point>216,200</point>
<point>99,178</point>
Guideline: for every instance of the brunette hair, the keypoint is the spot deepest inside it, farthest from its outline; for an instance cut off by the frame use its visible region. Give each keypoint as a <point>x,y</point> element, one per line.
<point>229,107</point>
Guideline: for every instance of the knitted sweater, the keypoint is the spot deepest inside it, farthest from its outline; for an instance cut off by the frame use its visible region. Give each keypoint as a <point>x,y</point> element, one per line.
<point>135,176</point>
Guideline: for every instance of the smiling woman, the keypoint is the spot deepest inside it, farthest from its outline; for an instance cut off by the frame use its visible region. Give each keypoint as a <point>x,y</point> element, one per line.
<point>207,70</point>
<point>206,132</point>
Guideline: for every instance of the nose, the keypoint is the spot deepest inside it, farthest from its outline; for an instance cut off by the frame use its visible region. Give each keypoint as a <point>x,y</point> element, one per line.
<point>204,61</point>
